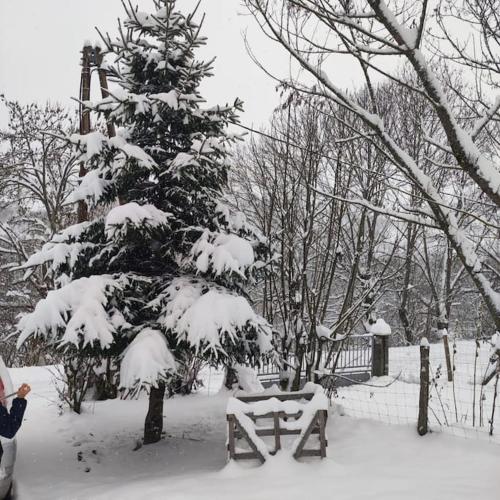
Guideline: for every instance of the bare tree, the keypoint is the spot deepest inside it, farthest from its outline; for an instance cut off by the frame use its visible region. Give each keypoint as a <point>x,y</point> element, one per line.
<point>375,33</point>
<point>37,174</point>
<point>294,181</point>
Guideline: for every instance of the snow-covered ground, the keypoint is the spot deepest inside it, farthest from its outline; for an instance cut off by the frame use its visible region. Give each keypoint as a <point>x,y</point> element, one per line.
<point>92,456</point>
<point>462,407</point>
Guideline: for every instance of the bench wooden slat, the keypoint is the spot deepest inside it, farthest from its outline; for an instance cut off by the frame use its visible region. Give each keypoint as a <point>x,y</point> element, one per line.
<point>309,453</point>
<point>287,396</point>
<point>245,455</point>
<point>282,432</point>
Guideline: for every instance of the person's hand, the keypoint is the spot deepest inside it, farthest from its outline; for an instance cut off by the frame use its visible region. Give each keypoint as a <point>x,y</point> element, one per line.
<point>23,391</point>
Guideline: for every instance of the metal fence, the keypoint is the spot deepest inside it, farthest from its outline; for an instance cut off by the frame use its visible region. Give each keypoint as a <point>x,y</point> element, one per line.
<point>351,358</point>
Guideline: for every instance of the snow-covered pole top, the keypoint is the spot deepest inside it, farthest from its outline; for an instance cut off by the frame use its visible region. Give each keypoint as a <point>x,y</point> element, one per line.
<point>380,328</point>
<point>424,342</point>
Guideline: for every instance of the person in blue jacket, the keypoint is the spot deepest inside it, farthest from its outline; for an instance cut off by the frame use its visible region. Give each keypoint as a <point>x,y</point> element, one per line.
<point>11,421</point>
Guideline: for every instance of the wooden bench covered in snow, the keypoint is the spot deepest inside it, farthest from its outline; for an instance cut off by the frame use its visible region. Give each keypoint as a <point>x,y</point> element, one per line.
<point>301,413</point>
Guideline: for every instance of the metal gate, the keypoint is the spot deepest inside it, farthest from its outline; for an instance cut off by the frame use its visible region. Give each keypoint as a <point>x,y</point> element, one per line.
<point>352,358</point>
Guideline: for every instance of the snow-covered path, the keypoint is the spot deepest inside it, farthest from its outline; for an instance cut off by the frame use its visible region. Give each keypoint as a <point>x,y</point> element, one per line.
<point>92,457</point>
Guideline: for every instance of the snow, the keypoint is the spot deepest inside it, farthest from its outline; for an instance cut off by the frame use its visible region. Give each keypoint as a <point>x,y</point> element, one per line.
<point>86,299</point>
<point>183,160</point>
<point>323,331</point>
<point>73,232</point>
<point>204,318</point>
<point>395,399</point>
<point>380,327</point>
<point>146,360</point>
<point>135,215</point>
<point>90,457</point>
<point>169,98</point>
<point>318,402</point>
<point>57,254</point>
<point>223,253</point>
<point>236,221</point>
<point>94,143</point>
<point>247,379</point>
<point>91,188</point>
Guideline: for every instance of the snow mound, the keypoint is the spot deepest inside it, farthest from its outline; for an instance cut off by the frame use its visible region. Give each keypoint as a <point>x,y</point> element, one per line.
<point>248,379</point>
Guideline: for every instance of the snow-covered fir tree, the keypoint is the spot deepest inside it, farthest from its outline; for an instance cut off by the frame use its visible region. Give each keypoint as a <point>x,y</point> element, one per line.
<point>159,272</point>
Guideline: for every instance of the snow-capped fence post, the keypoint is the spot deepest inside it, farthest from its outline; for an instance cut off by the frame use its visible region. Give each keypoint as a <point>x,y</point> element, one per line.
<point>380,357</point>
<point>423,403</point>
<point>380,348</point>
<point>380,365</point>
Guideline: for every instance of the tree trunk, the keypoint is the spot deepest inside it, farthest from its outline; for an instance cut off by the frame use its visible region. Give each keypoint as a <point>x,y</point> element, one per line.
<point>153,426</point>
<point>105,384</point>
<point>408,332</point>
<point>298,368</point>
<point>231,378</point>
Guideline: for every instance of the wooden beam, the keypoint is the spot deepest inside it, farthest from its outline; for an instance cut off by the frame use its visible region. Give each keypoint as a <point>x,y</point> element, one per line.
<point>322,416</point>
<point>231,437</point>
<point>284,396</point>
<point>245,455</point>
<point>245,435</point>
<point>283,432</point>
<point>305,437</point>
<point>310,453</point>
<point>277,433</point>
<point>271,415</point>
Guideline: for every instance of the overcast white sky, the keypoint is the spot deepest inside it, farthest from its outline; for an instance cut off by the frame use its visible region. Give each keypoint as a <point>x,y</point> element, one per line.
<point>40,42</point>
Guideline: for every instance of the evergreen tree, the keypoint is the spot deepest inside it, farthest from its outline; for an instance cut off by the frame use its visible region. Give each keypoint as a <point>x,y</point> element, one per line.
<point>158,274</point>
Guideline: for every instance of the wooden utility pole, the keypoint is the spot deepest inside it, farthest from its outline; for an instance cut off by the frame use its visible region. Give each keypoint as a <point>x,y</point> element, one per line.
<point>103,82</point>
<point>87,56</point>
<point>92,57</point>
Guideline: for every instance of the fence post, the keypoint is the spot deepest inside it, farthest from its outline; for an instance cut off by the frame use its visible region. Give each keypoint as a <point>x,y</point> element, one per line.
<point>380,356</point>
<point>423,403</point>
<point>442,326</point>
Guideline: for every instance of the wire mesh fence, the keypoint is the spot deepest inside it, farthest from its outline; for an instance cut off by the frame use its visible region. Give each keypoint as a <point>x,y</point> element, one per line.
<point>462,406</point>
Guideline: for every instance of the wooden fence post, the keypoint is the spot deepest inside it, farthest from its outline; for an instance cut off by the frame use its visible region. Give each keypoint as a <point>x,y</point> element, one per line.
<point>449,368</point>
<point>423,403</point>
<point>380,356</point>
<point>442,326</point>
